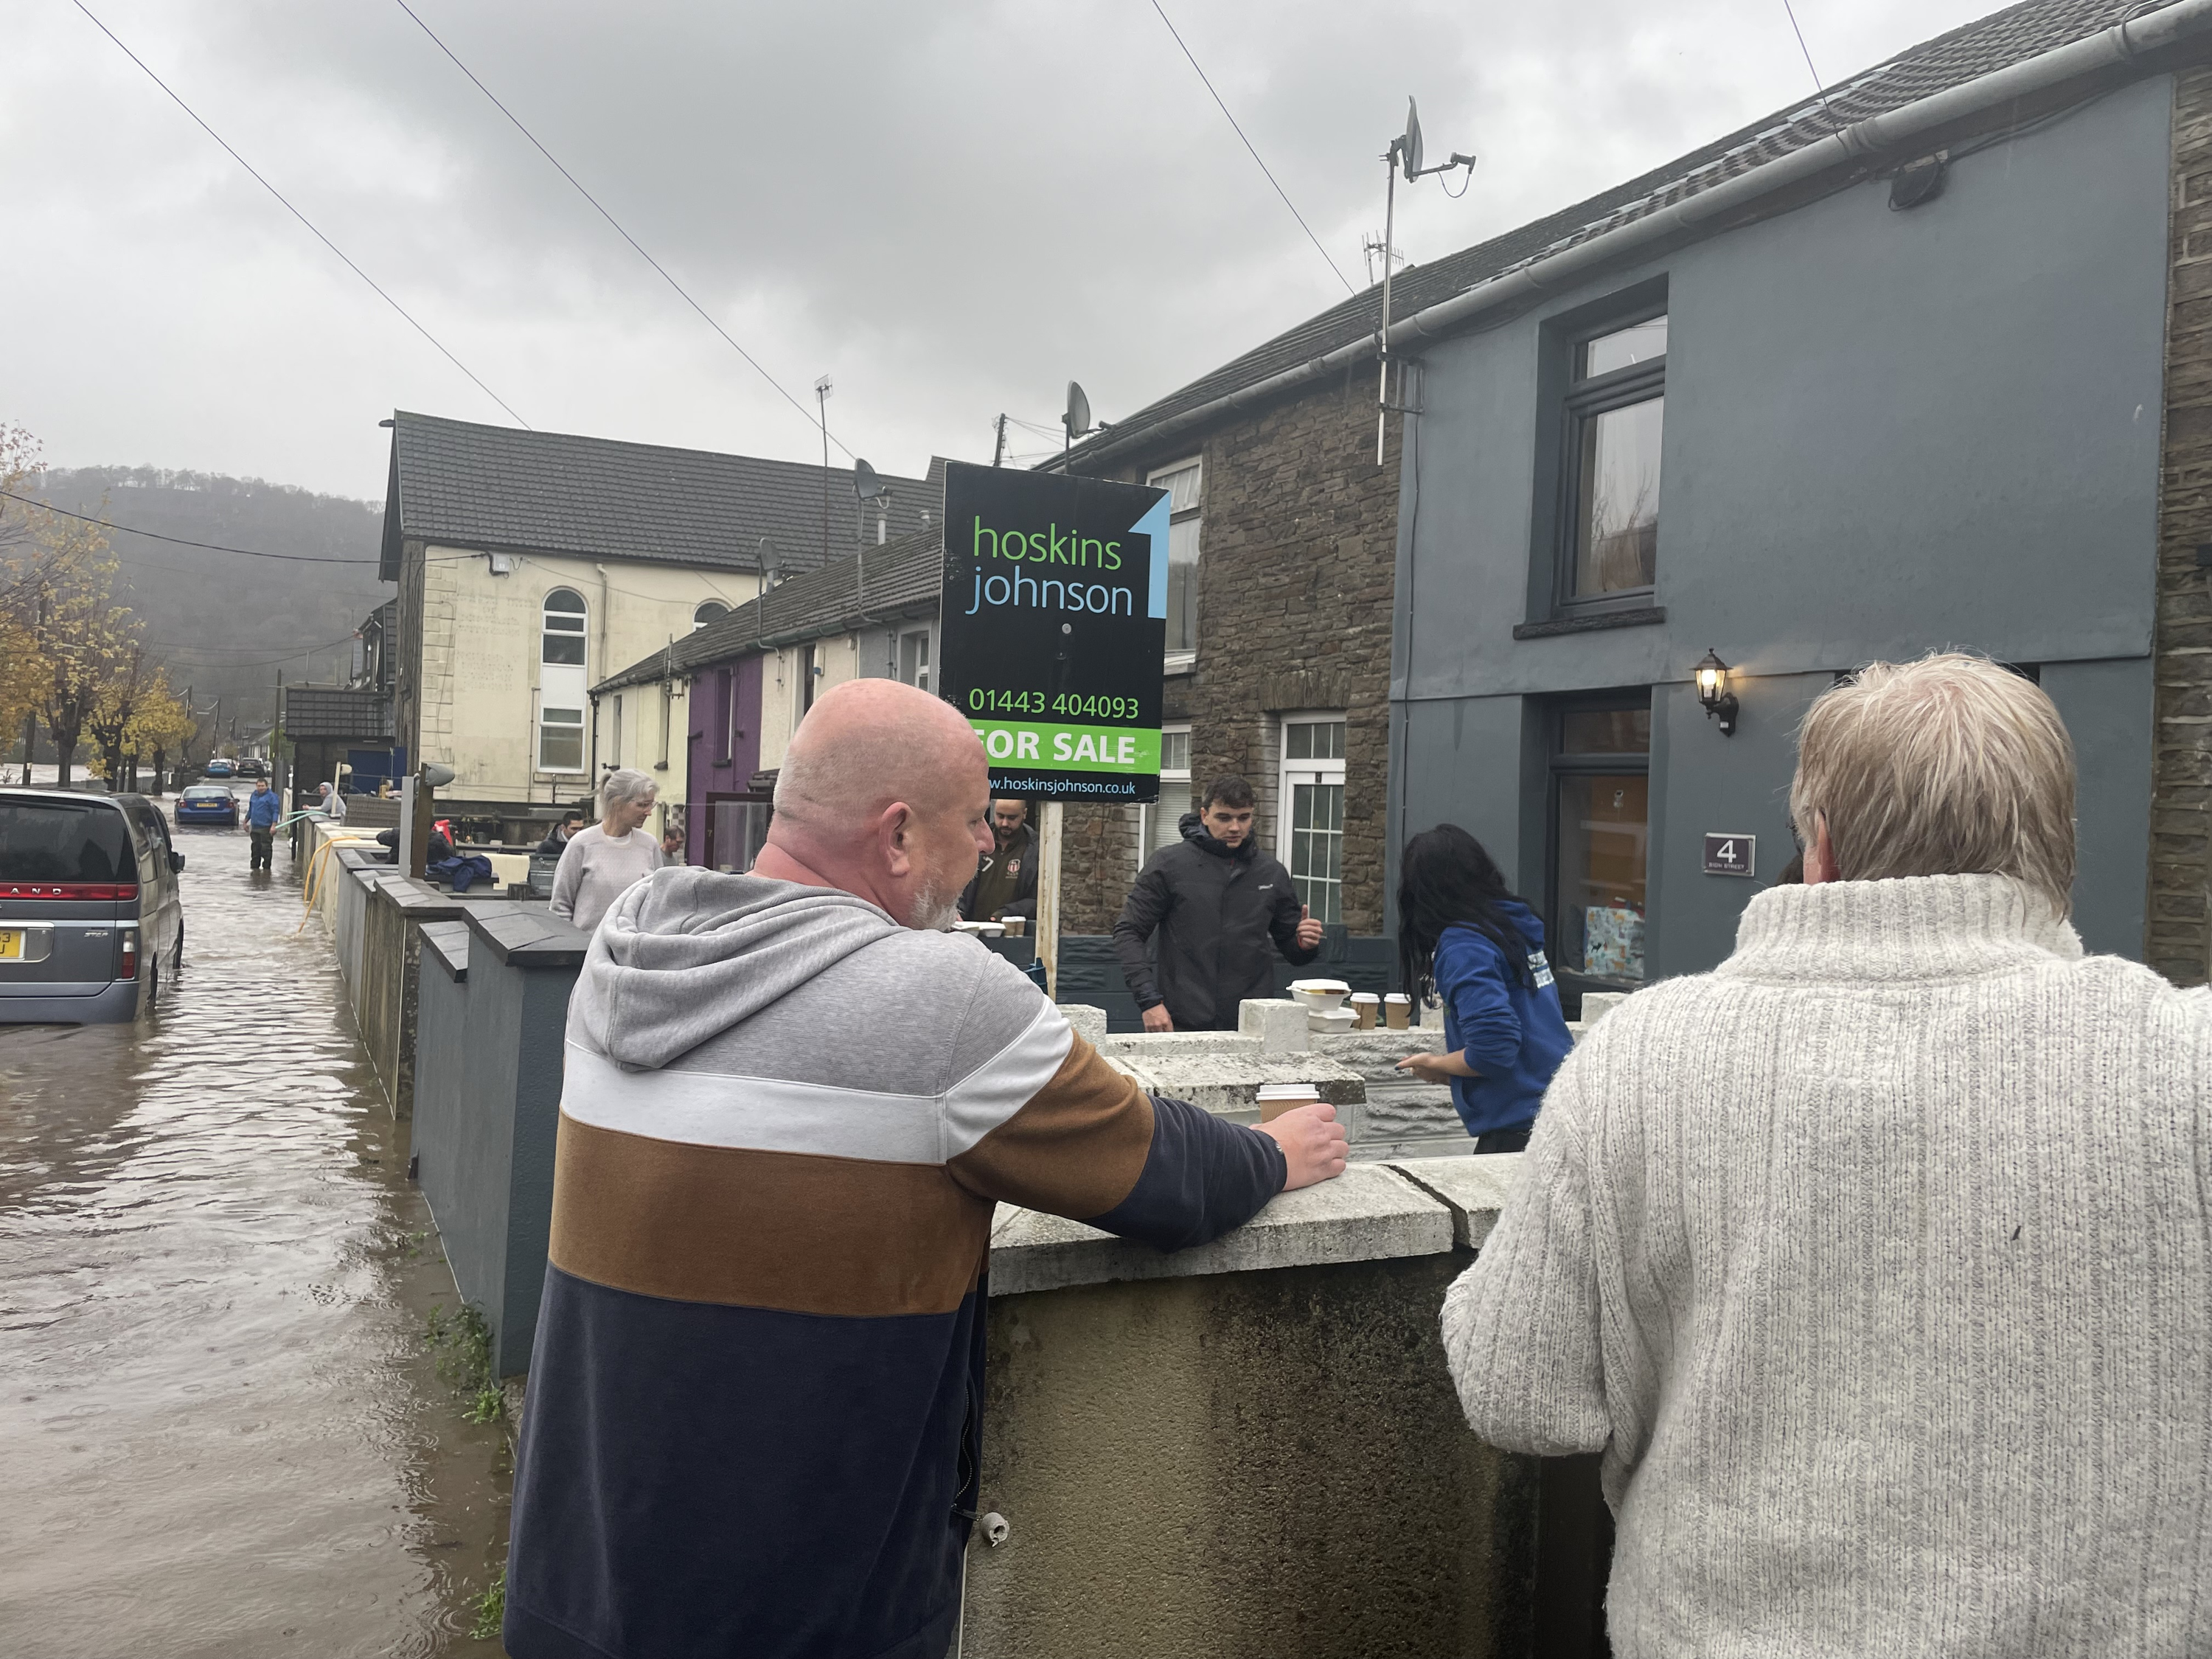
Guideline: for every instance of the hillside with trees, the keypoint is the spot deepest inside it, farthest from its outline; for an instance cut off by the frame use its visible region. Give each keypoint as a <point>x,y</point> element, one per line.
<point>107,633</point>
<point>223,625</point>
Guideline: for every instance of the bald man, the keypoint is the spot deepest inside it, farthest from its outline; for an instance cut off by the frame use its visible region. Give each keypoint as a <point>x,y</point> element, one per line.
<point>790,1102</point>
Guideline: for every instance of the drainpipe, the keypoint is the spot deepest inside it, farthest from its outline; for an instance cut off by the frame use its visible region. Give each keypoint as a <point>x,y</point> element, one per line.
<point>1894,134</point>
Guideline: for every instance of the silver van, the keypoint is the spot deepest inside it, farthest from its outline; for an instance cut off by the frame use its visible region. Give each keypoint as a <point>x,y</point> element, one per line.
<point>89,916</point>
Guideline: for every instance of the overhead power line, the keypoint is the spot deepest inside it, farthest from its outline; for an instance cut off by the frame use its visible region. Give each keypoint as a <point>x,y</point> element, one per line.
<point>156,536</point>
<point>1272,179</point>
<point>303,218</point>
<point>1819,87</point>
<point>811,419</point>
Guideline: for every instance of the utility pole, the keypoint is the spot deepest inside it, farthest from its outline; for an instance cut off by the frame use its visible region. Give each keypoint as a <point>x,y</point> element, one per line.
<point>821,390</point>
<point>999,449</point>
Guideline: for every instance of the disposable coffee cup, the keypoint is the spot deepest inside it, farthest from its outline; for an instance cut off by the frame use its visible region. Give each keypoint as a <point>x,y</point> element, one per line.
<point>1016,926</point>
<point>1398,1009</point>
<point>1366,1006</point>
<point>1276,1098</point>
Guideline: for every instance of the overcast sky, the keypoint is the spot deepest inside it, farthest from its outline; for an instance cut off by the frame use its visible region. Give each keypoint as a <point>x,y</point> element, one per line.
<point>949,208</point>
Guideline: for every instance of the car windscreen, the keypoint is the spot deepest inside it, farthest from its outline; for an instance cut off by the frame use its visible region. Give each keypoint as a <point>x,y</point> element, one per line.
<point>196,794</point>
<point>60,840</point>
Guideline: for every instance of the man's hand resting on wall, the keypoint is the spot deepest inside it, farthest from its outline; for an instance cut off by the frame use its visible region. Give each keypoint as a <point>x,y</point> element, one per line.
<point>1158,1019</point>
<point>1313,1143</point>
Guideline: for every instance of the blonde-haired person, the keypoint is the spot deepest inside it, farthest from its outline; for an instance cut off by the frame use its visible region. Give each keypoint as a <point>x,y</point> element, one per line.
<point>1877,1261</point>
<point>605,861</point>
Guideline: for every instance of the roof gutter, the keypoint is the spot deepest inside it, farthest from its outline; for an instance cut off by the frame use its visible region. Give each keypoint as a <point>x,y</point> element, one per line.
<point>1888,133</point>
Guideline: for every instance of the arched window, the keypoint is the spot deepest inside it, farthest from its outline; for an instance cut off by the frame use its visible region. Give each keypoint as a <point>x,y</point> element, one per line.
<point>563,640</point>
<point>712,610</point>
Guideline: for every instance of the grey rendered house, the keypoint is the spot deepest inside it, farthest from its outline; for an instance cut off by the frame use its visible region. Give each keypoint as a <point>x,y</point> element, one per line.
<point>1919,363</point>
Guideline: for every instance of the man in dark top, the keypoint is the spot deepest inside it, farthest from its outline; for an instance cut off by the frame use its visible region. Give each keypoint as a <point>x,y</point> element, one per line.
<point>1007,881</point>
<point>557,838</point>
<point>1218,903</point>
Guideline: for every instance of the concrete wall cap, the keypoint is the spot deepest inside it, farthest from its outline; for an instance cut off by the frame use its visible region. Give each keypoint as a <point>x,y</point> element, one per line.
<point>1089,1021</point>
<point>1279,1023</point>
<point>1137,1045</point>
<point>1375,1055</point>
<point>1368,1213</point>
<point>1475,1188</point>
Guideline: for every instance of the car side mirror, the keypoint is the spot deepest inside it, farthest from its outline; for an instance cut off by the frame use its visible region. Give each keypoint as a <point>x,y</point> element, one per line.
<point>176,862</point>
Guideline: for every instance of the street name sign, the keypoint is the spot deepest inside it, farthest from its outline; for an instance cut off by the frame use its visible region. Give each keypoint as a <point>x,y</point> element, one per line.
<point>1052,629</point>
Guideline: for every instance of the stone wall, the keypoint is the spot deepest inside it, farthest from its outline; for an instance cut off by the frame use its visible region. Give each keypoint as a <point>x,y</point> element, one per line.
<point>1297,553</point>
<point>2179,940</point>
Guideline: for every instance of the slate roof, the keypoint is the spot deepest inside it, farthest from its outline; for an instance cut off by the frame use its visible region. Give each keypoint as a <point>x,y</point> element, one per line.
<point>2011,36</point>
<point>501,488</point>
<point>901,577</point>
<point>313,713</point>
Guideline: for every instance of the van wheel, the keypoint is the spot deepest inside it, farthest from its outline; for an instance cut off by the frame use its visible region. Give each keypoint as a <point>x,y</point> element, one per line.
<point>177,957</point>
<point>153,1001</point>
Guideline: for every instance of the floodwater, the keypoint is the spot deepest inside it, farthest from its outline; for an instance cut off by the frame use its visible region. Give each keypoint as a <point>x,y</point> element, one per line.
<point>223,1430</point>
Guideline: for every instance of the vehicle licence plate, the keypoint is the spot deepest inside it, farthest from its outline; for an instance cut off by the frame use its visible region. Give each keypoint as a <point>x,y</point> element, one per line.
<point>11,944</point>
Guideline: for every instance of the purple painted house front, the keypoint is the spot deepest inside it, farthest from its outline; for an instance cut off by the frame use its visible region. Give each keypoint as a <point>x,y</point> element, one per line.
<point>726,815</point>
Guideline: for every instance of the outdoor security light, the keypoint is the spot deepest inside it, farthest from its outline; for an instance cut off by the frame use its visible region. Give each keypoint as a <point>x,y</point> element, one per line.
<point>1712,691</point>
<point>435,776</point>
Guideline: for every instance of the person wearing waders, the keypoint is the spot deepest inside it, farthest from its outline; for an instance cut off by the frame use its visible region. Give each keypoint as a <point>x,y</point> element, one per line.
<point>261,815</point>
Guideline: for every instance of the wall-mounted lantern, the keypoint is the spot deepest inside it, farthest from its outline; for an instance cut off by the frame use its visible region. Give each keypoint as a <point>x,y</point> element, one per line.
<point>1713,692</point>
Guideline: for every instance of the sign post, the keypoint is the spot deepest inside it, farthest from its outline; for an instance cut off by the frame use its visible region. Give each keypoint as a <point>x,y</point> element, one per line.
<point>1052,636</point>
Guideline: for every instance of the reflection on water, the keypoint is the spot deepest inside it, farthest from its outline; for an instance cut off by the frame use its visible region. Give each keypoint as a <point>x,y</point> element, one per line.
<point>222,1434</point>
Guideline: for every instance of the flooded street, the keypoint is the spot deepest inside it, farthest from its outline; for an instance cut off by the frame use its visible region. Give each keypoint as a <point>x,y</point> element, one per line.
<point>226,1429</point>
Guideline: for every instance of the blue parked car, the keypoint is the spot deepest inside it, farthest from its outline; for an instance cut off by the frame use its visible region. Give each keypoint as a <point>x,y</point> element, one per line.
<point>207,803</point>
<point>219,768</point>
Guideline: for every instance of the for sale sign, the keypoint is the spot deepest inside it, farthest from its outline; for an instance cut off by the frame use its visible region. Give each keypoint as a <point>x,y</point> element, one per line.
<point>1054,627</point>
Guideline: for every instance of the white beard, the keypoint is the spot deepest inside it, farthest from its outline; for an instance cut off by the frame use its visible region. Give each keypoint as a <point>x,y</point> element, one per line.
<point>931,911</point>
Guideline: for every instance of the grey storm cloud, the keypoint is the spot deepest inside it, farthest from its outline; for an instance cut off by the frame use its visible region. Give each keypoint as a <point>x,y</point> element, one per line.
<point>951,208</point>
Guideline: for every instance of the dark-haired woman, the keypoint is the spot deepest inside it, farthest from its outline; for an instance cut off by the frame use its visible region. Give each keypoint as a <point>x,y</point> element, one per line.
<point>1465,940</point>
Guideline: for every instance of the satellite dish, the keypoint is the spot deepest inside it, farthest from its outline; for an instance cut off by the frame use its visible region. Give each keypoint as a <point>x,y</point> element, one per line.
<point>865,484</point>
<point>1409,146</point>
<point>1078,418</point>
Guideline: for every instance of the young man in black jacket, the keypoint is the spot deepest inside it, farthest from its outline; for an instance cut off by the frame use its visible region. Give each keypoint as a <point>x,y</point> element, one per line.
<point>1221,907</point>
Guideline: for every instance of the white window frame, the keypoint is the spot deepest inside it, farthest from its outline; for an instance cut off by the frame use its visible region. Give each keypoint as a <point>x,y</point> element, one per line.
<point>564,685</point>
<point>1291,773</point>
<point>921,680</point>
<point>1180,661</point>
<point>1151,817</point>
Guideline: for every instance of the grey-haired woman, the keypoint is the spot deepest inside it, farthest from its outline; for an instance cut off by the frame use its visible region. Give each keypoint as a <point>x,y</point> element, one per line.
<point>605,861</point>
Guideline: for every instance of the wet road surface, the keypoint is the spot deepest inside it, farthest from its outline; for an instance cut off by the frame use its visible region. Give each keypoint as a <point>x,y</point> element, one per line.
<point>223,1430</point>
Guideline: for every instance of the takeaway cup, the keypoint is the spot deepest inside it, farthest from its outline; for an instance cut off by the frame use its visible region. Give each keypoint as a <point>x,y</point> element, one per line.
<point>1276,1098</point>
<point>1016,926</point>
<point>1398,1009</point>
<point>1366,1005</point>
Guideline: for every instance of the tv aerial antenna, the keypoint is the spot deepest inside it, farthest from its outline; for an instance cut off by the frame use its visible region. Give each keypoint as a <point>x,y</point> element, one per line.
<point>1405,151</point>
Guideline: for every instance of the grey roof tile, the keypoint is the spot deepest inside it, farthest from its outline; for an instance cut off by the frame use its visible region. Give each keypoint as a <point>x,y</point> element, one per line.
<point>894,579</point>
<point>470,485</point>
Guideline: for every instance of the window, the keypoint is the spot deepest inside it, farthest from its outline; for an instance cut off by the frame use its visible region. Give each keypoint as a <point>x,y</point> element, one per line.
<point>563,638</point>
<point>1601,768</point>
<point>711,611</point>
<point>1182,482</point>
<point>1309,832</point>
<point>1615,410</point>
<point>561,679</point>
<point>913,658</point>
<point>807,671</point>
<point>560,740</point>
<point>1162,823</point>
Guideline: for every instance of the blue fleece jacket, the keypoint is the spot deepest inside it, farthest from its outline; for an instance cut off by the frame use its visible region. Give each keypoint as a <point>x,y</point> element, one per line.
<point>263,810</point>
<point>1513,1035</point>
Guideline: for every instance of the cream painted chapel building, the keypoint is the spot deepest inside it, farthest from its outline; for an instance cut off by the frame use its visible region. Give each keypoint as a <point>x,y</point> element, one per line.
<point>531,565</point>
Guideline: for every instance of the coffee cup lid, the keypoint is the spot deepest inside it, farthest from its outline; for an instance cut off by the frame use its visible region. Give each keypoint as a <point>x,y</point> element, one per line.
<point>1288,1091</point>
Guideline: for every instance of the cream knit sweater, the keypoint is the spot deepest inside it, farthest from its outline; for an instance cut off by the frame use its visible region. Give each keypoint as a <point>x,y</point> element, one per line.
<point>1877,1262</point>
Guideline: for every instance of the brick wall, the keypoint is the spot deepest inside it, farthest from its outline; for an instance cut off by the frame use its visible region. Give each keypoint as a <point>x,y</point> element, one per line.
<point>1296,559</point>
<point>2179,941</point>
<point>1298,547</point>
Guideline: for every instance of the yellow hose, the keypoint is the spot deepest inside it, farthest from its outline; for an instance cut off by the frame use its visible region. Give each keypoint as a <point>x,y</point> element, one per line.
<point>317,864</point>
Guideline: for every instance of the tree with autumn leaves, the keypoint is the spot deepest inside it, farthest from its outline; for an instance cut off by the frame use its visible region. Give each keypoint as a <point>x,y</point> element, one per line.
<point>71,655</point>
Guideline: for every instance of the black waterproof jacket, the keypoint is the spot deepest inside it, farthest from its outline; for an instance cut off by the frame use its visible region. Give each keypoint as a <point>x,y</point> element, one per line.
<point>1221,915</point>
